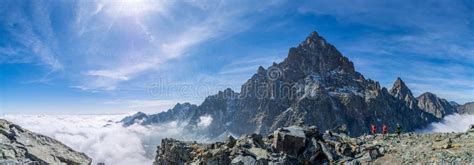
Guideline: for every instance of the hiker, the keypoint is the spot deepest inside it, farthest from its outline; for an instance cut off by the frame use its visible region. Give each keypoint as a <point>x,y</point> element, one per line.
<point>373,129</point>
<point>384,130</point>
<point>399,130</point>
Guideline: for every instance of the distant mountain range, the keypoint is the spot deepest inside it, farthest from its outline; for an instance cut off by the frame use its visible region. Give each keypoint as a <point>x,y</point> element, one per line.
<point>316,85</point>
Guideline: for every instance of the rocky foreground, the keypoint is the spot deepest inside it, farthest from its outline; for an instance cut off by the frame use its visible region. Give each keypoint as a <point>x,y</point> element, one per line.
<point>305,145</point>
<point>20,146</point>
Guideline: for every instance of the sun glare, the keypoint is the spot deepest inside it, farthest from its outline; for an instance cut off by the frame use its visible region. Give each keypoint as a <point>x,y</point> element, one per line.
<point>131,7</point>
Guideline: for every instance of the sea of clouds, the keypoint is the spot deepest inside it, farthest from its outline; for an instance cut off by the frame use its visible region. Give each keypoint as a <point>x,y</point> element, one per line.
<point>450,123</point>
<point>103,138</point>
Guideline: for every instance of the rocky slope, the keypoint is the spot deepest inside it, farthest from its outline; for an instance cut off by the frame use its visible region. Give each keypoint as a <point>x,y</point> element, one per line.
<point>315,84</point>
<point>305,145</point>
<point>20,146</point>
<point>467,108</point>
<point>432,104</point>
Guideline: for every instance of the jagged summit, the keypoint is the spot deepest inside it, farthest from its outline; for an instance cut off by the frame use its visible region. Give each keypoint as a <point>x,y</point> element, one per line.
<point>316,55</point>
<point>314,41</point>
<point>402,92</point>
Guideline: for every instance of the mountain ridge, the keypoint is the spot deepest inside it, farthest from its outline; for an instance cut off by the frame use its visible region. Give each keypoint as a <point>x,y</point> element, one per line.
<point>315,84</point>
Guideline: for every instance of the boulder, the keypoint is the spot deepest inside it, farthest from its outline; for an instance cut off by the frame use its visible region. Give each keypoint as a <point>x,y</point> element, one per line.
<point>443,144</point>
<point>289,140</point>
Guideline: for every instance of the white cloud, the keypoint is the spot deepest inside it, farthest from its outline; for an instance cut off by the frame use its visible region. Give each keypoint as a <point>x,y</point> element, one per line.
<point>451,123</point>
<point>101,137</point>
<point>205,121</point>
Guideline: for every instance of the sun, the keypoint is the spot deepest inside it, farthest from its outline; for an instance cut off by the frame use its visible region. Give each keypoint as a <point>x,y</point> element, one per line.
<point>134,8</point>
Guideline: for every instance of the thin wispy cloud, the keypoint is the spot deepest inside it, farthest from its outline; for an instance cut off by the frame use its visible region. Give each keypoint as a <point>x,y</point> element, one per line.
<point>219,21</point>
<point>145,105</point>
<point>33,34</point>
<point>119,50</point>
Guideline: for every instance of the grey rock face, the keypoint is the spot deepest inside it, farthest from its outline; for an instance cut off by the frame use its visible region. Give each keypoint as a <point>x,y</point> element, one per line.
<point>467,108</point>
<point>311,147</point>
<point>402,92</point>
<point>432,104</point>
<point>20,146</point>
<point>315,84</point>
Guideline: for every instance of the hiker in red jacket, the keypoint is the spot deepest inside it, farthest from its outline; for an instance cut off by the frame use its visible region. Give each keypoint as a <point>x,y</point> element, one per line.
<point>373,129</point>
<point>385,130</point>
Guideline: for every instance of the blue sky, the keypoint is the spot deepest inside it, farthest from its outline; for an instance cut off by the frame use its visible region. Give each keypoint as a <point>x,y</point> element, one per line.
<point>142,55</point>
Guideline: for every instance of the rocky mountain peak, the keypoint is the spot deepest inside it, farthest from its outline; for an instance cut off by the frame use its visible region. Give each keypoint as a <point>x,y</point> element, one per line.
<point>314,41</point>
<point>315,56</point>
<point>402,92</point>
<point>399,84</point>
<point>261,70</point>
<point>431,103</point>
<point>315,84</point>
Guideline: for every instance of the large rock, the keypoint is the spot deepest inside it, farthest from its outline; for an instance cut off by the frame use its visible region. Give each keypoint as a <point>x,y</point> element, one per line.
<point>20,146</point>
<point>290,140</point>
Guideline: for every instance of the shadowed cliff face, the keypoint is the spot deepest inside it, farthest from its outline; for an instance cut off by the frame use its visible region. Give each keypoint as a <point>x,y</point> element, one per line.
<point>315,84</point>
